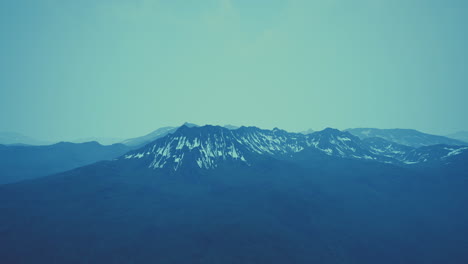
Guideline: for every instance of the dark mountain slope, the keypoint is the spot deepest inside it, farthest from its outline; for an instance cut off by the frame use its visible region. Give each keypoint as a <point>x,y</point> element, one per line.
<point>25,162</point>
<point>311,209</point>
<point>326,197</point>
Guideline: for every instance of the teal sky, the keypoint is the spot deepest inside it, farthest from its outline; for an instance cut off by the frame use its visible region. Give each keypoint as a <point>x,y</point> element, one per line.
<point>122,68</point>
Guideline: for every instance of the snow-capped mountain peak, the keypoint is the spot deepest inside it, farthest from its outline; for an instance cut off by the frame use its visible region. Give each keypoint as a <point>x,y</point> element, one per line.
<point>208,147</point>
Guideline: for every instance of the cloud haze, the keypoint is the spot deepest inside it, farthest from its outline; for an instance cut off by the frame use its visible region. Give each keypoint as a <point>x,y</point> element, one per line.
<point>123,68</point>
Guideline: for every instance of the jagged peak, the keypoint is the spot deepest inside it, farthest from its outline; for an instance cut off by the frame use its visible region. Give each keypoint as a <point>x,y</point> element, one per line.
<point>335,132</point>
<point>187,124</point>
<point>331,130</point>
<point>205,128</point>
<point>208,146</point>
<point>275,129</point>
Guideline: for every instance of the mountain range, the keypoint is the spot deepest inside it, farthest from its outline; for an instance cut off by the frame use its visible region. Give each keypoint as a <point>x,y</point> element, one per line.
<point>211,194</point>
<point>208,146</point>
<point>408,137</point>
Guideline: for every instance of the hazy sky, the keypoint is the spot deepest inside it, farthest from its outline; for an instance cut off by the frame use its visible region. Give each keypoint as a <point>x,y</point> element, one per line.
<point>122,68</point>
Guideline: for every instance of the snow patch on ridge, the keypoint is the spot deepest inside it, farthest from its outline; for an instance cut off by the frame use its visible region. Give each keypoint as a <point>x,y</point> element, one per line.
<point>454,151</point>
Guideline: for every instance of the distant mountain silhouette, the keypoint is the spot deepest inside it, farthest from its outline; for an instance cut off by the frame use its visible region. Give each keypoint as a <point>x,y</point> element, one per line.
<point>158,133</point>
<point>408,137</point>
<point>101,140</point>
<point>26,162</point>
<point>13,138</point>
<point>460,135</point>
